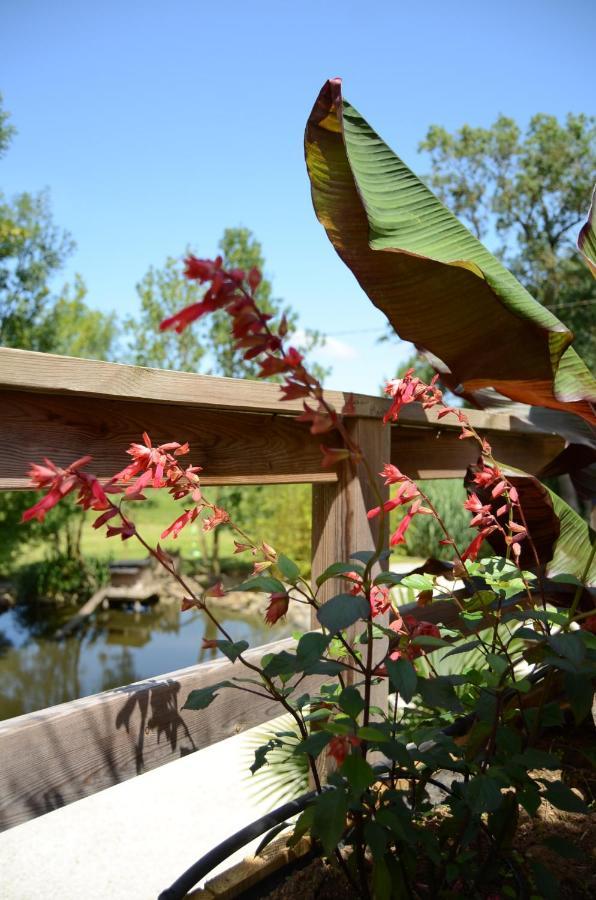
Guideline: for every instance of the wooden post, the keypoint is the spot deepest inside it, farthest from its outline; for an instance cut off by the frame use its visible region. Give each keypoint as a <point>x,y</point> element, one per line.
<point>339,523</point>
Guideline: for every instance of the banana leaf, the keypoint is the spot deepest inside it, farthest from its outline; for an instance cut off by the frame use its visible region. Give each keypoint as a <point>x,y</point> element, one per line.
<point>437,284</point>
<point>561,538</point>
<point>587,238</point>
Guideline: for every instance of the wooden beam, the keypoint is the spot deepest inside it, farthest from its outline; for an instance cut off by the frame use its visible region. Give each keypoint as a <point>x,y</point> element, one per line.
<point>53,757</point>
<point>420,453</point>
<point>50,374</point>
<point>339,522</point>
<point>232,447</point>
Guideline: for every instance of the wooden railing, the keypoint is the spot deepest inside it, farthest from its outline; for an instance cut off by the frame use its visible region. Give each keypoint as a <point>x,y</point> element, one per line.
<point>241,433</point>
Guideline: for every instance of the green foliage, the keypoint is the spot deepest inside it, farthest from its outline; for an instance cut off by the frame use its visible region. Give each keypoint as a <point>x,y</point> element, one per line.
<point>530,188</point>
<point>424,534</point>
<point>60,579</point>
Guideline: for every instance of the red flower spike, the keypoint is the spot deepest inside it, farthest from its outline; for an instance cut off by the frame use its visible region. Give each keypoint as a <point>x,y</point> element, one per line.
<point>208,643</point>
<point>338,747</point>
<point>333,456</point>
<point>278,607</point>
<point>254,279</point>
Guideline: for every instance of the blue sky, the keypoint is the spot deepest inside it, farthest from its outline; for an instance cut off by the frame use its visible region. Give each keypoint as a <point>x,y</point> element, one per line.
<point>156,125</point>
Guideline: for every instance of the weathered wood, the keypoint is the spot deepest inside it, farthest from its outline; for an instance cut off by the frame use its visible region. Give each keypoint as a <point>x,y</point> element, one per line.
<point>231,447</point>
<point>50,374</point>
<point>421,453</point>
<point>339,522</point>
<point>53,757</point>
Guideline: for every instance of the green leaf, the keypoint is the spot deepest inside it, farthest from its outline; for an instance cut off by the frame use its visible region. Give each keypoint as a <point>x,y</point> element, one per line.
<point>358,772</point>
<point>402,676</point>
<point>261,754</point>
<point>463,648</point>
<point>314,744</point>
<point>336,569</point>
<point>546,882</point>
<point>563,848</point>
<point>438,693</point>
<point>482,794</point>
<point>264,583</point>
<point>586,240</point>
<point>376,837</point>
<point>388,578</point>
<point>351,702</point>
<point>232,650</point>
<point>203,697</point>
<point>580,693</point>
<point>562,797</point>
<point>369,733</point>
<point>427,640</point>
<point>414,258</point>
<point>342,611</point>
<point>569,646</point>
<point>312,646</point>
<point>418,582</point>
<point>283,663</point>
<point>329,821</point>
<point>288,568</point>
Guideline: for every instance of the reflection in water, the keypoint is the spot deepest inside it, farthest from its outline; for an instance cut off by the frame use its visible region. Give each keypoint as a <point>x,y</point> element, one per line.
<point>116,647</point>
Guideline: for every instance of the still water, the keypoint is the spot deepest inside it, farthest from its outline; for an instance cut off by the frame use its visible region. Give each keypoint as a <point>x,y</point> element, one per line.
<point>115,647</point>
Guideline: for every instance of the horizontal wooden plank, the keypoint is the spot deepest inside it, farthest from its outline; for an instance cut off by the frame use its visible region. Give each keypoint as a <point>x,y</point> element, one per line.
<point>442,454</point>
<point>48,373</point>
<point>232,447</point>
<point>53,757</point>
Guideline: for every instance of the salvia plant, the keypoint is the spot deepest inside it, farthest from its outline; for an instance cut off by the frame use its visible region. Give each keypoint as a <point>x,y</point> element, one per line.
<point>423,798</point>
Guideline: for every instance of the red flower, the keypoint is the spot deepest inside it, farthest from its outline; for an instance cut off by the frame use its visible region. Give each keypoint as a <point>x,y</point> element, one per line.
<point>189,515</point>
<point>356,580</point>
<point>392,475</point>
<point>471,552</point>
<point>201,269</point>
<point>379,600</point>
<point>332,456</point>
<point>278,607</point>
<point>218,517</point>
<point>589,624</point>
<point>209,644</point>
<point>398,536</point>
<point>338,747</point>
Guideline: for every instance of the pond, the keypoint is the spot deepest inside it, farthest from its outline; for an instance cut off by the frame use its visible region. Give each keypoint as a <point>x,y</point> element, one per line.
<point>115,647</point>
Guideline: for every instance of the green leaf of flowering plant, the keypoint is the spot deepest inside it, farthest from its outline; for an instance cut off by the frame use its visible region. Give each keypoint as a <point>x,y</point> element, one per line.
<point>342,611</point>
<point>336,569</point>
<point>314,744</point>
<point>402,676</point>
<point>232,649</point>
<point>358,773</point>
<point>351,702</point>
<point>203,697</point>
<point>261,754</point>
<point>329,820</point>
<point>264,583</point>
<point>437,284</point>
<point>288,568</point>
<point>561,796</point>
<point>418,582</point>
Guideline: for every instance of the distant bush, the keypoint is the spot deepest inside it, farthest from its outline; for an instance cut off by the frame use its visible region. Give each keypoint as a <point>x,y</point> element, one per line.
<point>424,534</point>
<point>60,579</point>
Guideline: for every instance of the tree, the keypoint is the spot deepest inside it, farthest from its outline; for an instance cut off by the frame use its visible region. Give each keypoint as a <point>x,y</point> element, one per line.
<point>531,190</point>
<point>208,347</point>
<point>73,329</point>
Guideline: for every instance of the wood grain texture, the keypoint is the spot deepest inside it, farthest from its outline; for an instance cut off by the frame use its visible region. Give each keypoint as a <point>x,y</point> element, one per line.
<point>441,454</point>
<point>53,757</point>
<point>48,373</point>
<point>232,448</point>
<point>340,525</point>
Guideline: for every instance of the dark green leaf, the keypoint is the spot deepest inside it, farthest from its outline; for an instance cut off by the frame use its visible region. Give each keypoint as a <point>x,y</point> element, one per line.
<point>312,646</point>
<point>463,648</point>
<point>350,700</point>
<point>358,772</point>
<point>369,733</point>
<point>569,645</point>
<point>336,569</point>
<point>564,848</point>
<point>261,754</point>
<point>546,881</point>
<point>342,611</point>
<point>438,693</point>
<point>427,640</point>
<point>482,794</point>
<point>265,583</point>
<point>288,568</point>
<point>580,692</point>
<point>402,676</point>
<point>232,650</point>
<point>563,797</point>
<point>314,743</point>
<point>376,837</point>
<point>329,821</point>
<point>283,663</point>
<point>202,697</point>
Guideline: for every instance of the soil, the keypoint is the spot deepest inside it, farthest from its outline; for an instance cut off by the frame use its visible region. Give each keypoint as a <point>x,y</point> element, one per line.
<point>316,879</point>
